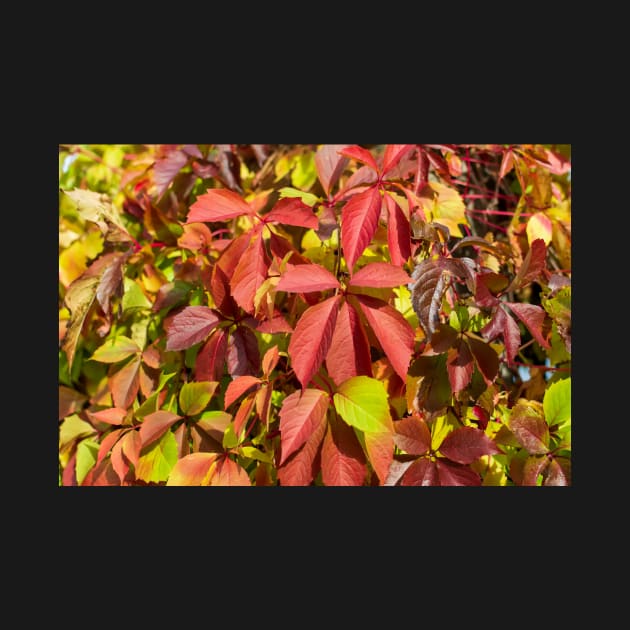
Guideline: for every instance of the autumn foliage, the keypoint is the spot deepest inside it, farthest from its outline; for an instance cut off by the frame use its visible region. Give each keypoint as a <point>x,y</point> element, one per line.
<point>331,315</point>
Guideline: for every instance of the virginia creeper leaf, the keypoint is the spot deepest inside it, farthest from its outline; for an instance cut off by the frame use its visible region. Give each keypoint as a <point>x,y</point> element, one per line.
<point>459,364</point>
<point>466,444</point>
<point>451,474</point>
<point>422,472</point>
<point>292,212</point>
<point>210,360</point>
<point>218,204</point>
<point>87,451</point>
<point>157,461</point>
<point>558,473</point>
<point>70,401</point>
<point>166,168</point>
<point>242,355</point>
<point>502,324</point>
<point>114,415</point>
<point>343,460</point>
<point>132,446</point>
<point>362,402</point>
<point>557,402</point>
<point>534,465</point>
<point>393,154</point>
<point>396,470</point>
<point>301,414</point>
<point>270,360</point>
<point>249,274</point>
<point>312,337</point>
<point>380,275</point>
<point>529,427</point>
<point>119,462</point>
<point>155,425</point>
<point>360,155</point>
<point>188,327</point>
<point>412,435</point>
<point>486,358</point>
<point>539,226</point>
<point>194,397</point>
<point>305,278</point>
<point>125,383</point>
<point>330,165</point>
<point>228,473</point>
<point>533,317</point>
<point>115,349</point>
<point>192,470</point>
<point>392,331</point>
<point>533,265</point>
<point>398,232</point>
<point>349,352</point>
<point>359,218</point>
<point>380,452</point>
<point>238,387</point>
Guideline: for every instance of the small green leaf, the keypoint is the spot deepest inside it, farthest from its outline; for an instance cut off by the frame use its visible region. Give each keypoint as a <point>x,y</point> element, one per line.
<point>133,297</point>
<point>557,403</point>
<point>308,198</point>
<point>116,349</point>
<point>362,402</point>
<point>230,439</point>
<point>441,427</point>
<point>157,461</point>
<point>73,428</point>
<point>254,453</point>
<point>194,397</point>
<point>87,451</point>
<point>304,174</point>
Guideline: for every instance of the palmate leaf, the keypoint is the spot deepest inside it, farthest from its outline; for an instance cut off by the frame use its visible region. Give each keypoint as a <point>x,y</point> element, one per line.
<point>342,458</point>
<point>360,154</point>
<point>502,324</point>
<point>533,317</point>
<point>393,154</point>
<point>429,281</point>
<point>155,425</point>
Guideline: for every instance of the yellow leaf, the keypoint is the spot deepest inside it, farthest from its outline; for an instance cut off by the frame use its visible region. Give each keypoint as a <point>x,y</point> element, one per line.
<point>448,208</point>
<point>539,226</point>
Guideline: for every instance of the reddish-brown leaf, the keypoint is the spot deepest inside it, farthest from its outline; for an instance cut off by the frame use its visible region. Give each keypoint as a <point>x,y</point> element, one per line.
<point>242,356</point>
<point>302,467</point>
<point>218,204</point>
<point>379,275</point>
<point>466,444</point>
<point>412,435</point>
<point>242,415</point>
<point>360,154</point>
<point>507,163</point>
<point>228,473</point>
<point>312,337</point>
<point>558,472</point>
<point>270,360</point>
<point>110,269</point>
<point>486,358</point>
<point>534,465</point>
<point>233,254</point>
<point>125,383</point>
<point>276,324</point>
<point>238,387</point>
<point>452,474</point>
<point>393,154</point>
<point>349,352</point>
<point>398,232</point>
<point>396,470</point>
<point>155,425</point>
<point>70,401</point>
<point>359,219</point>
<point>329,165</point>
<point>108,442</point>
<point>220,290</point>
<point>301,414</point>
<point>422,472</point>
<point>306,278</point>
<point>165,170</point>
<point>343,460</point>
<point>533,317</point>
<point>502,324</point>
<point>113,415</point>
<point>444,337</point>
<point>210,360</point>
<point>380,451</point>
<point>292,211</point>
<point>392,331</point>
<point>132,445</point>
<point>119,462</point>
<point>189,326</point>
<point>460,366</point>
<point>533,264</point>
<point>530,429</point>
<point>249,274</point>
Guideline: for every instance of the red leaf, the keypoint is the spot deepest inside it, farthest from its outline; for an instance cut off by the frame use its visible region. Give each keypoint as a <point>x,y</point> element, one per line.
<point>530,429</point>
<point>343,461</point>
<point>229,473</point>
<point>533,265</point>
<point>396,470</point>
<point>466,444</point>
<point>238,387</point>
<point>460,366</point>
<point>486,283</point>
<point>220,290</point>
<point>242,356</point>
<point>155,425</point>
<point>192,469</point>
<point>503,324</point>
<point>534,465</point>
<point>422,472</point>
<point>249,274</point>
<point>393,154</point>
<point>486,358</point>
<point>380,452</point>
<point>125,383</point>
<point>329,165</point>
<point>360,154</point>
<point>359,219</point>
<point>302,467</point>
<point>306,278</point>
<point>356,182</point>
<point>108,442</point>
<point>70,401</point>
<point>507,163</point>
<point>114,415</point>
<point>312,337</point>
<point>188,327</point>
<point>218,204</point>
<point>233,254</point>
<point>292,211</point>
<point>451,474</point>
<point>558,472</point>
<point>275,325</point>
<point>131,446</point>
<point>210,360</point>
<point>349,352</point>
<point>165,170</point>
<point>398,232</point>
<point>533,317</point>
<point>240,419</point>
<point>270,360</point>
<point>392,331</point>
<point>301,414</point>
<point>412,435</point>
<point>280,247</point>
<point>119,463</point>
<point>379,275</point>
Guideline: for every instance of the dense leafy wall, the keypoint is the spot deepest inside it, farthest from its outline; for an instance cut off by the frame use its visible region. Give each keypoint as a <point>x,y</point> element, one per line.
<point>314,314</point>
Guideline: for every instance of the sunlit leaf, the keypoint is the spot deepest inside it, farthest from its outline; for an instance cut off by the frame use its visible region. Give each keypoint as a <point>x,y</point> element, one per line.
<point>412,435</point>
<point>343,460</point>
<point>330,165</point>
<point>115,349</point>
<point>306,278</point>
<point>528,425</point>
<point>218,204</point>
<point>362,402</point>
<point>189,326</point>
<point>466,444</point>
<point>192,470</point>
<point>359,218</point>
<point>157,461</point>
<point>557,402</point>
<point>194,397</point>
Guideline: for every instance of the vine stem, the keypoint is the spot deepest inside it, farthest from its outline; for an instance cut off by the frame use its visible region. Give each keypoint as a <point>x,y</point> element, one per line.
<point>97,158</point>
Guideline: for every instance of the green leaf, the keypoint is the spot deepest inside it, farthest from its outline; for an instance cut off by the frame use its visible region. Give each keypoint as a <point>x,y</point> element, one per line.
<point>133,297</point>
<point>441,427</point>
<point>115,349</point>
<point>230,439</point>
<point>87,450</point>
<point>362,402</point>
<point>304,174</point>
<point>308,198</point>
<point>194,397</point>
<point>557,403</point>
<point>73,428</point>
<point>157,461</point>
<point>254,453</point>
